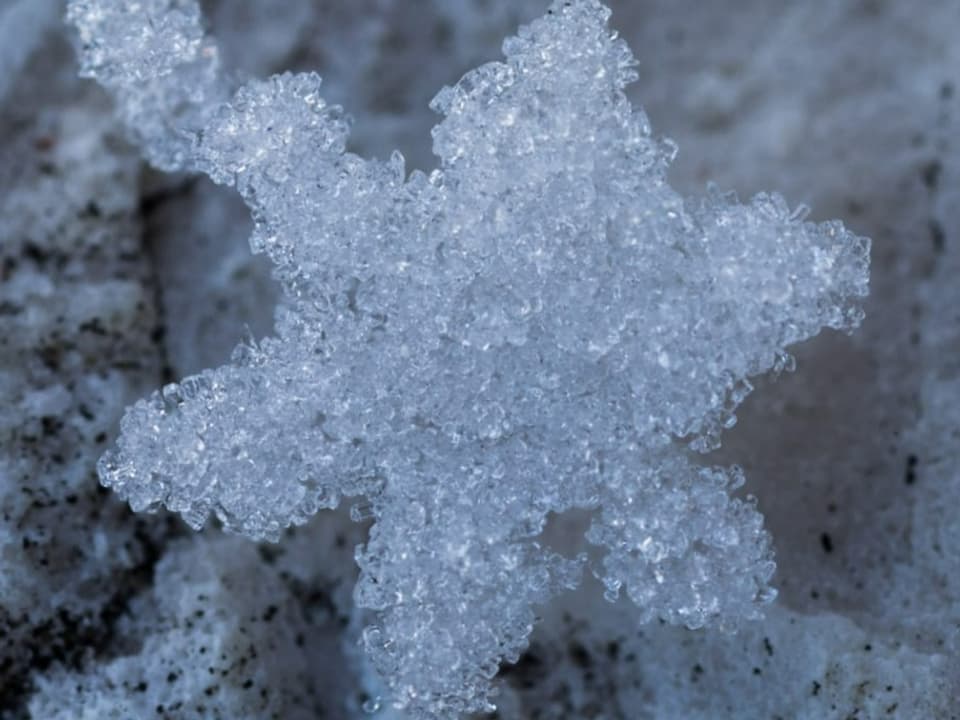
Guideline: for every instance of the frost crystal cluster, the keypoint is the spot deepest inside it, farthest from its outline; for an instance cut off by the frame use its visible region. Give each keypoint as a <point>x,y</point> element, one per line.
<point>540,324</point>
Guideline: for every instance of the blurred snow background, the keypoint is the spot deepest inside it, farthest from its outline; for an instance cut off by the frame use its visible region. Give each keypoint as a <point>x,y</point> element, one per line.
<point>114,278</point>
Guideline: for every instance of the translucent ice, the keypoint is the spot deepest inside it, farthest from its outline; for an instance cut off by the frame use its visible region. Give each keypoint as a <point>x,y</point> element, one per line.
<point>541,324</point>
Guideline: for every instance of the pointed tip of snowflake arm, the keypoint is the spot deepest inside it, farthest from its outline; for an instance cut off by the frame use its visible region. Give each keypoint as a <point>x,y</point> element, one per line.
<point>452,605</point>
<point>817,273</point>
<point>211,445</point>
<point>162,68</point>
<point>567,70</point>
<point>271,134</point>
<point>124,42</point>
<point>711,564</point>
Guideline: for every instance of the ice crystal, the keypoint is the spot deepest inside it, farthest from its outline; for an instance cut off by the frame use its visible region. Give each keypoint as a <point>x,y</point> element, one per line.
<point>540,324</point>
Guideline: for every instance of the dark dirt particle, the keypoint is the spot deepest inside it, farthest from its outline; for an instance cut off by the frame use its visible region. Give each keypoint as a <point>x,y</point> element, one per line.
<point>910,474</point>
<point>696,672</point>
<point>931,174</point>
<point>580,655</point>
<point>826,542</point>
<point>937,235</point>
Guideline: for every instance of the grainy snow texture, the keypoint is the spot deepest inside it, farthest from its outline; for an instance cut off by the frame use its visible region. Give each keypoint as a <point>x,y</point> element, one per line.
<point>76,318</point>
<point>848,107</point>
<point>220,636</point>
<point>540,324</point>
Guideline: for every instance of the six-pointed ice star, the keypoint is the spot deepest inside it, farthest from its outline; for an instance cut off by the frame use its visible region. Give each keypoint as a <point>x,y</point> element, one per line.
<point>538,325</point>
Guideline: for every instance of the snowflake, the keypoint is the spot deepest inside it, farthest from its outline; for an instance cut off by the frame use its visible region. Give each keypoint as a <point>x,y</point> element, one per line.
<point>541,324</point>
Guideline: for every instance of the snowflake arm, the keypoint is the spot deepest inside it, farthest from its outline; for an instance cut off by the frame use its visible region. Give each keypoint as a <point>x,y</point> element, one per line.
<point>684,550</point>
<point>165,72</point>
<point>453,599</point>
<point>219,443</point>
